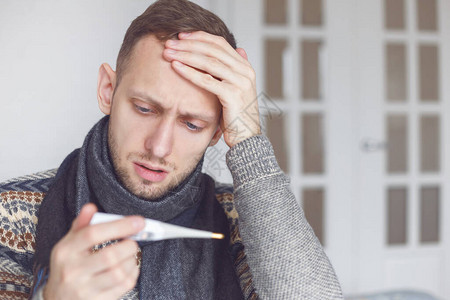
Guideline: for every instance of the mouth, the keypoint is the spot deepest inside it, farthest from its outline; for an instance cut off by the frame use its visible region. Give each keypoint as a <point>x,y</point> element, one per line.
<point>154,170</point>
<point>151,167</point>
<point>150,173</point>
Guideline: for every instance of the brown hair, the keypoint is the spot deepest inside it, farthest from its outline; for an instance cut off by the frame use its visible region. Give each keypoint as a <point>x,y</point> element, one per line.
<point>165,19</point>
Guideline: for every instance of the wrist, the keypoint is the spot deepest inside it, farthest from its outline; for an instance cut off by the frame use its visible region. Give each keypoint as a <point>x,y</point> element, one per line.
<point>252,159</point>
<point>236,135</point>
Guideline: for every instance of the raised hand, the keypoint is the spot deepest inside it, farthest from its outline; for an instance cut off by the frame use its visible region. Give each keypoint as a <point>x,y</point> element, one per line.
<point>211,63</point>
<point>77,273</point>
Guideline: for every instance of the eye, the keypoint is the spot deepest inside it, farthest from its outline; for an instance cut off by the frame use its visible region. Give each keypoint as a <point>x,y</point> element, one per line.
<point>192,127</point>
<point>142,109</point>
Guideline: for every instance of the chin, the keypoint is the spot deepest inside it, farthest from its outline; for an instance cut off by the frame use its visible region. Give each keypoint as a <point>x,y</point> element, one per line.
<point>146,189</point>
<point>152,194</point>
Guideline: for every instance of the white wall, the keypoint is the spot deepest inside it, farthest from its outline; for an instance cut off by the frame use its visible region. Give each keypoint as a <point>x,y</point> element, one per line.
<point>50,53</point>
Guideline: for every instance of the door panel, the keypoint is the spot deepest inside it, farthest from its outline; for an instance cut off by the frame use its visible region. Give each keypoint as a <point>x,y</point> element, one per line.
<point>400,245</point>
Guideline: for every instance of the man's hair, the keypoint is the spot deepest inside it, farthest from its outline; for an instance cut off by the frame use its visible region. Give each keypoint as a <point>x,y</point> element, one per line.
<point>165,19</point>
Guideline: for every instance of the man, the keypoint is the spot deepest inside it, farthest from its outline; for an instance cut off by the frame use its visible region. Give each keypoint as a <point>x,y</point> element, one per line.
<point>180,83</point>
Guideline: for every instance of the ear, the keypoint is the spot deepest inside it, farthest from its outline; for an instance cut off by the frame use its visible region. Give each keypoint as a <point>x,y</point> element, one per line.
<point>105,88</point>
<point>216,136</point>
<point>242,53</point>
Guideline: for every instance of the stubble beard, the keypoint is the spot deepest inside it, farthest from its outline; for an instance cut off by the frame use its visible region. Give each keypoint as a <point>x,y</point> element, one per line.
<point>146,189</point>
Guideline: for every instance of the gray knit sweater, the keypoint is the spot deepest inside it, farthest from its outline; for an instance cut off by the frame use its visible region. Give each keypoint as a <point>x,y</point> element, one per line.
<point>285,257</point>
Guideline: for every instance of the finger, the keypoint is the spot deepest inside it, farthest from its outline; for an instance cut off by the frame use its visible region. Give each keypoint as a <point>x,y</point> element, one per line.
<point>85,216</point>
<point>89,236</point>
<point>211,38</point>
<point>207,64</point>
<point>203,80</point>
<point>63,250</point>
<point>116,281</point>
<point>111,255</point>
<point>234,60</point>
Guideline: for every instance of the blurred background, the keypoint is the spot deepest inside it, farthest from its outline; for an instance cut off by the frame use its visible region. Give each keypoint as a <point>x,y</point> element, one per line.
<point>355,98</point>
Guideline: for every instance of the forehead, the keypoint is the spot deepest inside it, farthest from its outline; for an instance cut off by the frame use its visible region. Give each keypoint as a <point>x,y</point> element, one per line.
<point>150,73</point>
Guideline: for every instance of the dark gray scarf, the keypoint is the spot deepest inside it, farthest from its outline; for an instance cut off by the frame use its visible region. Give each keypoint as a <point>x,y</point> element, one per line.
<point>172,269</point>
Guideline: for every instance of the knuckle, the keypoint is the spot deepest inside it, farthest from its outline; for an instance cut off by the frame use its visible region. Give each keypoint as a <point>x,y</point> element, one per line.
<point>242,87</point>
<point>247,83</point>
<point>221,40</point>
<point>58,254</point>
<point>252,74</point>
<point>215,61</point>
<point>118,275</point>
<point>211,51</point>
<point>129,283</point>
<point>108,258</point>
<point>207,79</point>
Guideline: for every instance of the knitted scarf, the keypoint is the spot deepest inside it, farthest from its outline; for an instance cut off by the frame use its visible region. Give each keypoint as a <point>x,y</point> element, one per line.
<point>171,269</point>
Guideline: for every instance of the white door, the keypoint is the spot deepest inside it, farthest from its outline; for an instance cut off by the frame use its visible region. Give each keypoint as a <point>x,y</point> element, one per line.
<point>403,75</point>
<point>357,99</point>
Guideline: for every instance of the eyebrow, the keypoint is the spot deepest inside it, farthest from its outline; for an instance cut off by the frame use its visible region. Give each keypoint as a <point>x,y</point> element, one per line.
<point>146,98</point>
<point>159,105</point>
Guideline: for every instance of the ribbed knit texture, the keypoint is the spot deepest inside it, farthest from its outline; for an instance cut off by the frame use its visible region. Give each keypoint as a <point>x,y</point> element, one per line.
<point>286,259</point>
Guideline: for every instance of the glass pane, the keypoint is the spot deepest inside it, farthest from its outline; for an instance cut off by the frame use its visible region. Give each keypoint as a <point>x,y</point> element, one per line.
<point>397,138</point>
<point>429,73</point>
<point>313,205</point>
<point>311,85</point>
<point>397,209</point>
<point>394,11</point>
<point>396,77</point>
<point>430,144</point>
<point>311,12</point>
<point>313,143</point>
<point>275,12</point>
<point>427,15</point>
<point>429,214</point>
<point>276,133</point>
<point>274,67</point>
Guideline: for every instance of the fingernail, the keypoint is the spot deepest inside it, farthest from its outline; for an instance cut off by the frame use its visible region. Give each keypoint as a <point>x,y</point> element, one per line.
<point>170,51</point>
<point>185,34</point>
<point>172,42</point>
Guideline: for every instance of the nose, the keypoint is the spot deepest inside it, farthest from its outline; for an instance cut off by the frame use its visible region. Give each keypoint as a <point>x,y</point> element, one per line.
<point>160,142</point>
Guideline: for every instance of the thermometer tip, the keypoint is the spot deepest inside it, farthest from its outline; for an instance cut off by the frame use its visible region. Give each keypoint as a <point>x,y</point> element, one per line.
<point>217,236</point>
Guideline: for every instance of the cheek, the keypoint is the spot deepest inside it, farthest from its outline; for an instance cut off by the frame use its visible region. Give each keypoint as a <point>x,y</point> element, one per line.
<point>191,146</point>
<point>125,132</point>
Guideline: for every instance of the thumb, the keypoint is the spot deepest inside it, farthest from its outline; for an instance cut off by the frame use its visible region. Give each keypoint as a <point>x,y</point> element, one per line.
<point>85,216</point>
<point>242,53</point>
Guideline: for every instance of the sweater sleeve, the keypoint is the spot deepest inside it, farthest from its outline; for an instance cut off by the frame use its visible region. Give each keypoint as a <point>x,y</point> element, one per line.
<point>17,227</point>
<point>285,258</point>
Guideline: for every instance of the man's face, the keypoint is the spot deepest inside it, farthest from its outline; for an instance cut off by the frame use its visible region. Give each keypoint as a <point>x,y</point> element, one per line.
<point>160,123</point>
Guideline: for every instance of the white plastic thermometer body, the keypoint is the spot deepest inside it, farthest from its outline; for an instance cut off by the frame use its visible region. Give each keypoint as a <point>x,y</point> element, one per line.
<point>157,230</point>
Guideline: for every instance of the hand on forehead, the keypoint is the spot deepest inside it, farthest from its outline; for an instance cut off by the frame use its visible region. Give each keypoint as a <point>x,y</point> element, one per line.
<point>210,62</point>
